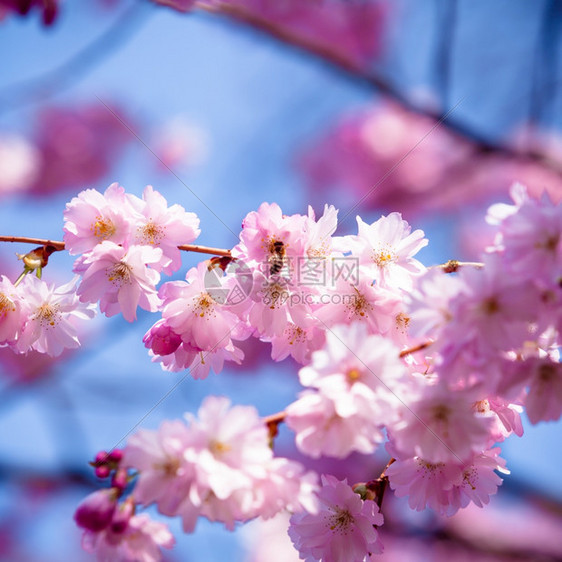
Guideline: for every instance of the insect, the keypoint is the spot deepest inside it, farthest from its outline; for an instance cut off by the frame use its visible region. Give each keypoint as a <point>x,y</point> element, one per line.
<point>277,257</point>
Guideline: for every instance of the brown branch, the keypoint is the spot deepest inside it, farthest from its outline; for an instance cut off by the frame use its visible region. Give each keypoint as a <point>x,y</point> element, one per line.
<point>59,246</point>
<point>204,250</point>
<point>452,266</point>
<point>330,53</point>
<point>414,349</point>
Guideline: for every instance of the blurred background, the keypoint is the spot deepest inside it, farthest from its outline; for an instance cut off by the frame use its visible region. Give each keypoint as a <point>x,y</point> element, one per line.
<point>431,108</point>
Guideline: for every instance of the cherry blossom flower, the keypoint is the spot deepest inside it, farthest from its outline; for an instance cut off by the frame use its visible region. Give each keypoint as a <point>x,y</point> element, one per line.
<point>219,466</point>
<point>298,341</point>
<point>440,426</point>
<point>319,239</point>
<point>425,483</point>
<point>479,480</point>
<point>119,278</point>
<point>54,316</point>
<point>359,372</point>
<point>343,530</point>
<point>320,431</point>
<point>531,237</point>
<point>428,304</point>
<point>362,302</point>
<point>543,376</point>
<point>92,218</point>
<point>139,541</point>
<point>12,312</point>
<point>271,240</point>
<point>386,247</point>
<point>160,226</point>
<point>164,475</point>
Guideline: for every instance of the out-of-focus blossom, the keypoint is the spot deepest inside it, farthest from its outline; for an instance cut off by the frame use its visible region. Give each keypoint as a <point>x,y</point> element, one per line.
<point>20,162</point>
<point>140,541</point>
<point>219,466</point>
<point>49,8</point>
<point>388,157</point>
<point>78,145</point>
<point>180,144</point>
<point>179,5</point>
<point>267,541</point>
<point>95,512</point>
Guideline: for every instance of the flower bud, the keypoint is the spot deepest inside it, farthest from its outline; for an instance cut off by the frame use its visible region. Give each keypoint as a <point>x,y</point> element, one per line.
<point>122,515</point>
<point>102,471</point>
<point>120,479</point>
<point>96,510</point>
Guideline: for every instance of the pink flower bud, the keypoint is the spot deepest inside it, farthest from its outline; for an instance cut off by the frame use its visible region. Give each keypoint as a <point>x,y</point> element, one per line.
<point>102,457</point>
<point>96,511</point>
<point>102,471</point>
<point>115,456</point>
<point>121,518</point>
<point>120,479</point>
<point>161,339</point>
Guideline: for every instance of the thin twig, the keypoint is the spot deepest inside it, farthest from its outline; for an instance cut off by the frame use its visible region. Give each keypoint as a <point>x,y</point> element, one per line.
<point>414,349</point>
<point>59,245</point>
<point>452,266</point>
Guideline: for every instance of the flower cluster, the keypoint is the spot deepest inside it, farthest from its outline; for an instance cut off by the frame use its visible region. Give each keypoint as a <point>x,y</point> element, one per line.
<point>289,282</point>
<point>112,530</point>
<point>436,368</point>
<point>124,243</point>
<point>218,466</point>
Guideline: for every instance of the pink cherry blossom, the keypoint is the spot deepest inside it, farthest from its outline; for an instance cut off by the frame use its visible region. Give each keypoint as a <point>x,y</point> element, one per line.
<point>386,248</point>
<point>348,302</point>
<point>531,238</point>
<point>298,341</point>
<point>120,278</point>
<point>343,530</point>
<point>54,316</point>
<point>320,431</point>
<point>91,218</point>
<point>544,398</point>
<point>428,304</point>
<point>440,426</point>
<point>164,474</point>
<point>191,312</point>
<point>12,312</point>
<point>425,483</point>
<point>139,542</point>
<point>319,239</point>
<point>479,480</point>
<point>270,239</point>
<point>359,372</point>
<point>237,477</point>
<point>161,339</point>
<point>157,225</point>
